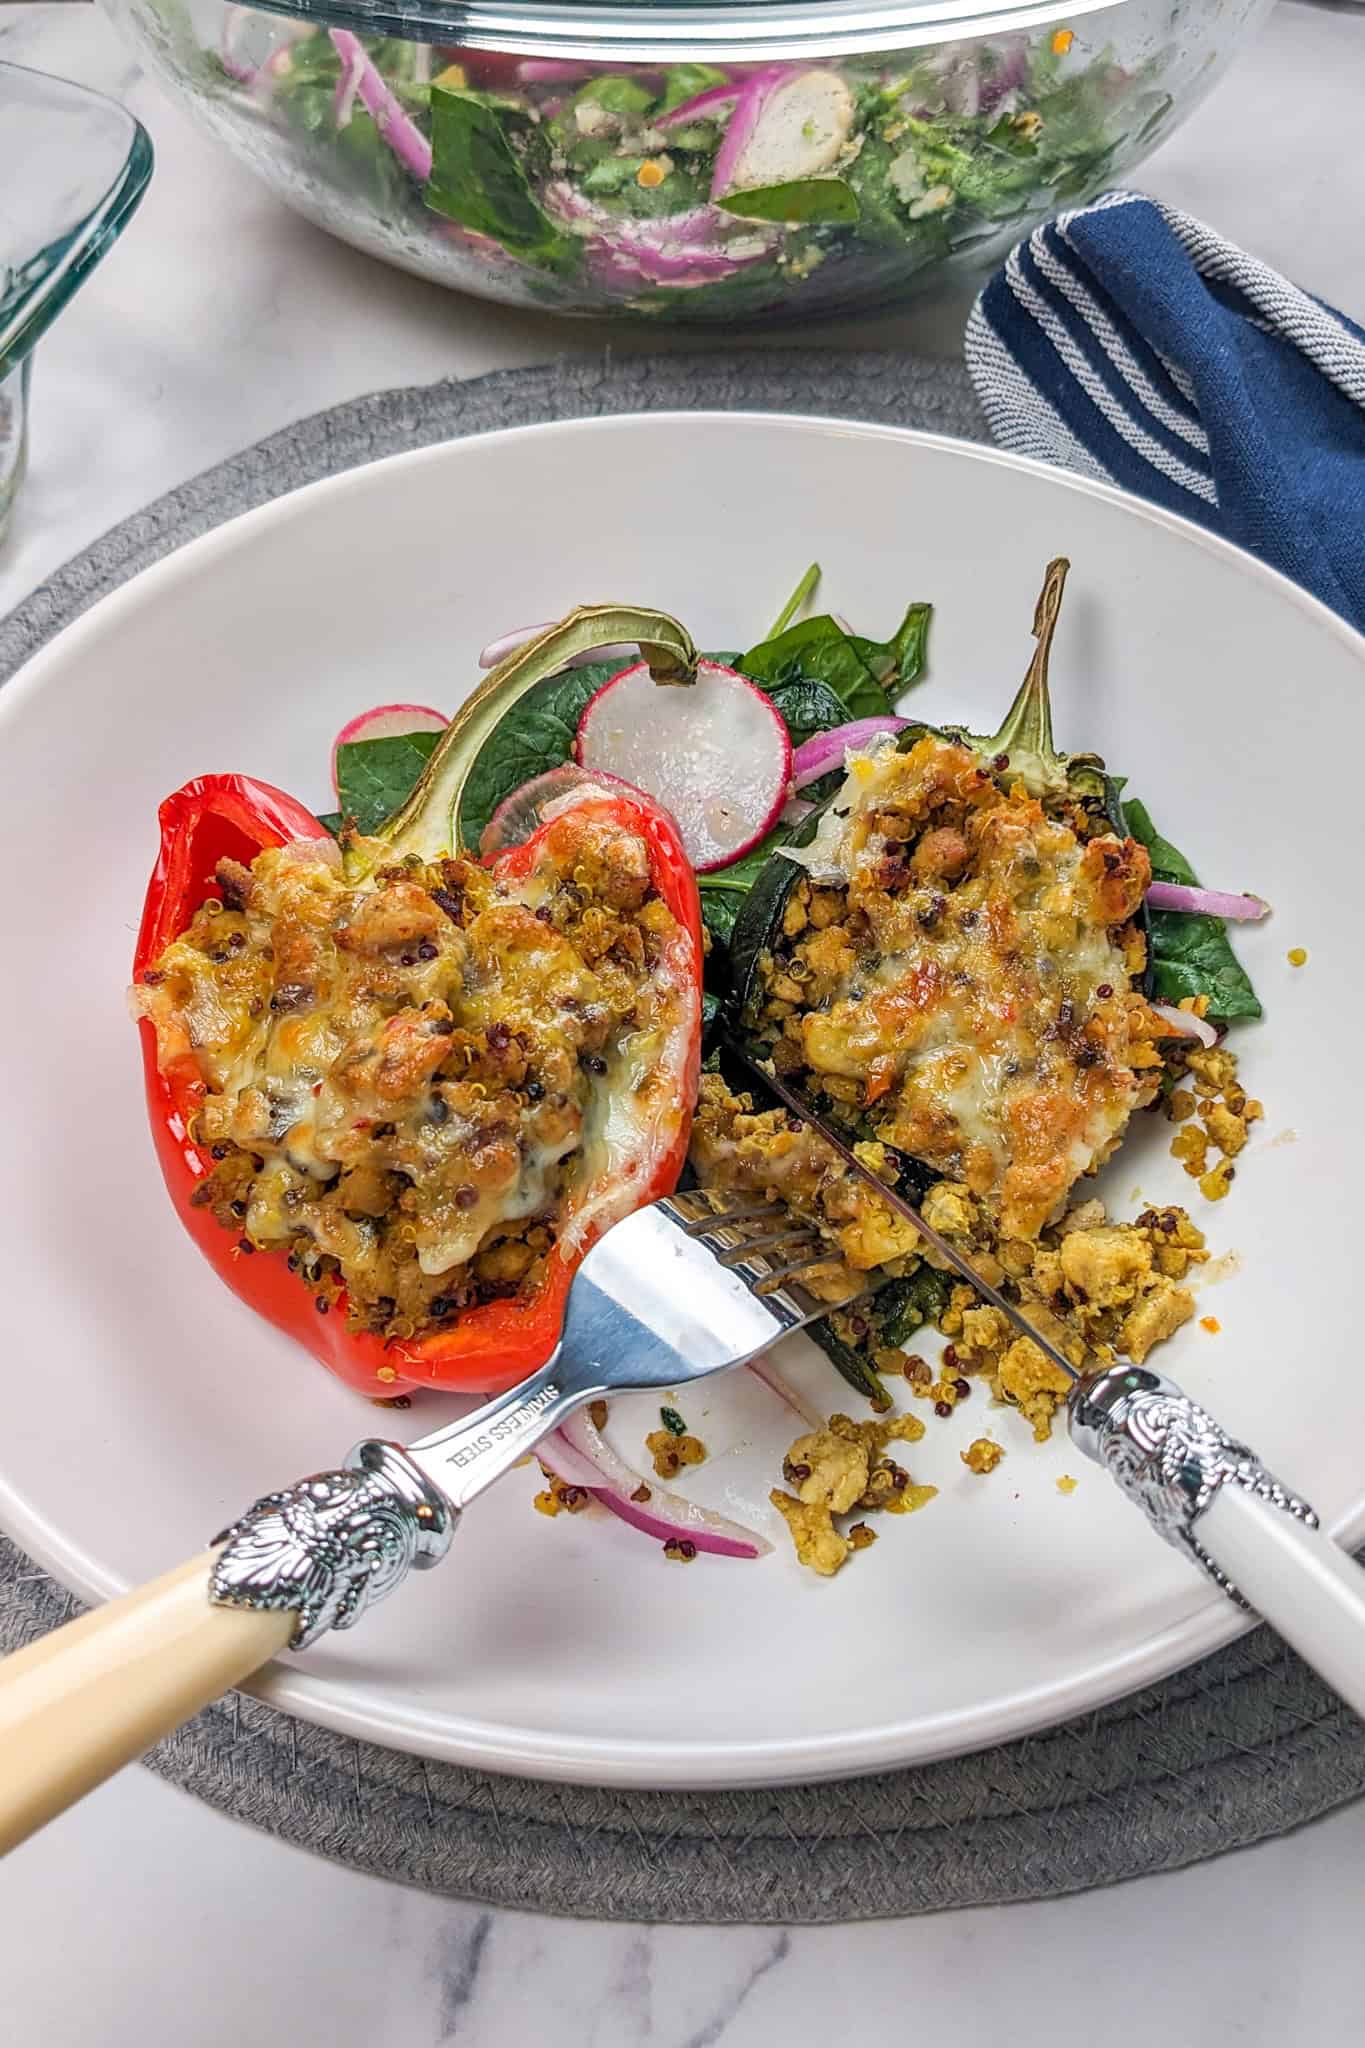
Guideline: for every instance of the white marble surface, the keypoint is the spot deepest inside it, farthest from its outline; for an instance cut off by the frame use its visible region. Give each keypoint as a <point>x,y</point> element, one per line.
<point>142,1920</point>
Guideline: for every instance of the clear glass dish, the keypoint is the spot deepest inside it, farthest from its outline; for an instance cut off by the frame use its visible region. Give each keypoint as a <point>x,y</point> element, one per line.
<point>73,167</point>
<point>762,160</point>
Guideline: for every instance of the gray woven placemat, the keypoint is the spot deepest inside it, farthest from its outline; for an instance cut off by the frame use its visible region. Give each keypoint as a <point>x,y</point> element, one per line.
<point>1242,1746</point>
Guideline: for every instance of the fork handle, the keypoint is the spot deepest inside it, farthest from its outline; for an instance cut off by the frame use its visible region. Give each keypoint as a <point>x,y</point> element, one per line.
<point>78,1704</point>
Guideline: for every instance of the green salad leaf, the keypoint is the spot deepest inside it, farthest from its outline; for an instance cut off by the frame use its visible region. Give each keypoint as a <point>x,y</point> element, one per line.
<point>802,201</point>
<point>375,777</point>
<point>807,707</point>
<point>904,1306</point>
<point>539,734</point>
<point>685,81</point>
<point>897,663</point>
<point>1191,954</point>
<point>478,180</point>
<point>818,650</point>
<point>723,890</point>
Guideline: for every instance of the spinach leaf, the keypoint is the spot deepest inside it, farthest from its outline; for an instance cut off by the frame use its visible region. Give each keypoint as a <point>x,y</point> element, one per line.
<point>818,650</point>
<point>614,95</point>
<point>855,1367</point>
<point>1191,954</point>
<point>375,776</point>
<point>477,179</point>
<point>802,201</point>
<point>904,1306</point>
<point>685,81</point>
<point>331,821</point>
<point>807,706</point>
<point>724,891</point>
<point>899,661</point>
<point>536,734</point>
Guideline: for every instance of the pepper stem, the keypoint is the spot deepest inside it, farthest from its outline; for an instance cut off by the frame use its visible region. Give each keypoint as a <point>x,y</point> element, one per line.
<point>1026,735</point>
<point>428,824</point>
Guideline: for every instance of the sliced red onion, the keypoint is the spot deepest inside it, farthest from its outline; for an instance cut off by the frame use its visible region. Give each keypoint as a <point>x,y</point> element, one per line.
<point>236,22</point>
<point>1184,1023</point>
<point>698,108</point>
<point>498,650</point>
<point>664,1516</point>
<point>403,136</point>
<point>825,750</point>
<point>348,85</point>
<point>1211,902</point>
<point>1010,74</point>
<point>558,1455</point>
<point>763,1369</point>
<point>686,250</point>
<point>753,95</point>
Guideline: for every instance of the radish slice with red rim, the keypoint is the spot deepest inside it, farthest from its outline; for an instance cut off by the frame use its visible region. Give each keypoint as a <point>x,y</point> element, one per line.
<point>715,753</point>
<point>387,722</point>
<point>541,799</point>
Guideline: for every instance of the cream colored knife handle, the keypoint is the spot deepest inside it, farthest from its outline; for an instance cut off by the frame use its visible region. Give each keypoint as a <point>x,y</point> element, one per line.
<point>80,1703</point>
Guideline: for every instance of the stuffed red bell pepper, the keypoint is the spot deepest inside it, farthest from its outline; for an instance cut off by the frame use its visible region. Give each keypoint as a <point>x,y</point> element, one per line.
<point>396,1092</point>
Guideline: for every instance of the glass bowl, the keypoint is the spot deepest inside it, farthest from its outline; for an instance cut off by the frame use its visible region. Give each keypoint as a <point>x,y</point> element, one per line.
<point>758,160</point>
<point>73,167</point>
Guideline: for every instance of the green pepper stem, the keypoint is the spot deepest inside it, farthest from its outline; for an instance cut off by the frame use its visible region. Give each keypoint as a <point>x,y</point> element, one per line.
<point>428,824</point>
<point>1026,735</point>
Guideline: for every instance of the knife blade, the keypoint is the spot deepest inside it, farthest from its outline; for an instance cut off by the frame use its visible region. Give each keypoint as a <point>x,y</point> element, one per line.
<point>897,1201</point>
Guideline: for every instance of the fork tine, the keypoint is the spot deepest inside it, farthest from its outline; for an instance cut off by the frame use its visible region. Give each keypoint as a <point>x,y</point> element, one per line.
<point>769,1242</point>
<point>815,1251</point>
<point>722,1219</point>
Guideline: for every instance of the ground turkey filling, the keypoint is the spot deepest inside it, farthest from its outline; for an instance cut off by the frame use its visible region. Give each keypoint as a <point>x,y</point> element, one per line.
<point>955,977</point>
<point>958,972</point>
<point>414,1080</point>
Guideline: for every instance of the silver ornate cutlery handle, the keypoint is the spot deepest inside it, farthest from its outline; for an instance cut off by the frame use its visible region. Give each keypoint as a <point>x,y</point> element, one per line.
<point>1211,1496</point>
<point>328,1548</point>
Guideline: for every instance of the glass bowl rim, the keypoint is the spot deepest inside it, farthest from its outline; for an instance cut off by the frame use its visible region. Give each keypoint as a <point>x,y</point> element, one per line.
<point>607,32</point>
<point>26,317</point>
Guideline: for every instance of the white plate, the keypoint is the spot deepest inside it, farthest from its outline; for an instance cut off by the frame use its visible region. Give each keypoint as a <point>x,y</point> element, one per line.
<point>143,1406</point>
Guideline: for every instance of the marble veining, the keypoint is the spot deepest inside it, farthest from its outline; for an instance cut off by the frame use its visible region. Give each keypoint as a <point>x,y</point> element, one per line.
<point>141,1919</point>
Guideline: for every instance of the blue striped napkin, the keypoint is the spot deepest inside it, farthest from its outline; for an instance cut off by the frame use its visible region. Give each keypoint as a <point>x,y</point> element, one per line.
<point>1129,342</point>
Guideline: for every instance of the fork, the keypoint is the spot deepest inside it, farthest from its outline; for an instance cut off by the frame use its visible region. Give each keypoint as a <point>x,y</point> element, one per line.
<point>672,1294</point>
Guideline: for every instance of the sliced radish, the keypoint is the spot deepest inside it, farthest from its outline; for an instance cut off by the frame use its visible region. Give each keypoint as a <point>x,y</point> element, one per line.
<point>387,722</point>
<point>541,799</point>
<point>715,753</point>
<point>799,129</point>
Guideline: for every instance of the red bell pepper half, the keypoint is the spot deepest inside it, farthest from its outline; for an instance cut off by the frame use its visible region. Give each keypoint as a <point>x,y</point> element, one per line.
<point>498,1343</point>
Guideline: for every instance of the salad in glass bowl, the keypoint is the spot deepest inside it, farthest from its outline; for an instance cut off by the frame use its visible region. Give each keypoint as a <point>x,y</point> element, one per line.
<point>686,177</point>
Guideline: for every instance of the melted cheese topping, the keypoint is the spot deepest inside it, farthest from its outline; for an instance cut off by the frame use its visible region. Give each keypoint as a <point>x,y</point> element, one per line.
<point>965,977</point>
<point>421,1081</point>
